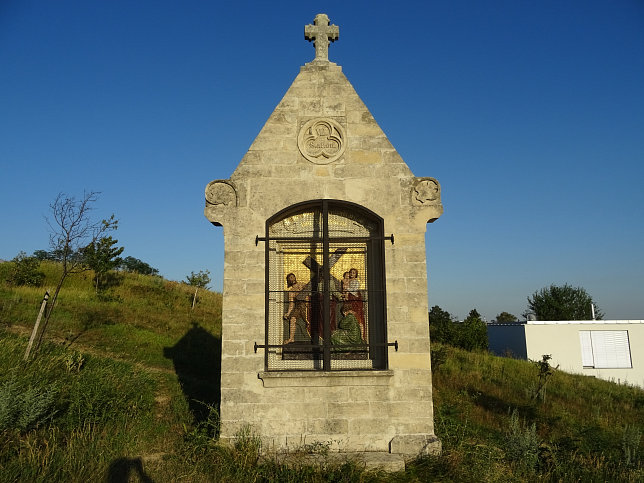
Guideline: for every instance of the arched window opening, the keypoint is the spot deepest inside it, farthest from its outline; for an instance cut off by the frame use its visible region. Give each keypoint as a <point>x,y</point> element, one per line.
<point>325,288</point>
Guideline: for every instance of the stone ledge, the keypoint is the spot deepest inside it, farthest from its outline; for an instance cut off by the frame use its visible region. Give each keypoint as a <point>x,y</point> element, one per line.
<point>325,379</point>
<point>321,65</point>
<point>375,460</point>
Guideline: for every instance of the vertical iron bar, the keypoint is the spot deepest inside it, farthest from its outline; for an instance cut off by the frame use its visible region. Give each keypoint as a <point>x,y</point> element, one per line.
<point>266,296</point>
<point>314,295</point>
<point>383,290</point>
<point>325,292</point>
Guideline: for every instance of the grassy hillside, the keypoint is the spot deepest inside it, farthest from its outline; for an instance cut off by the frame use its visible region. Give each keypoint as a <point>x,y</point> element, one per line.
<point>133,318</point>
<point>127,383</point>
<point>583,429</point>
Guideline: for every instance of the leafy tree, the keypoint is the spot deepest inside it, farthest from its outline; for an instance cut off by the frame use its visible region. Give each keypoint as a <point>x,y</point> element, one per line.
<point>135,265</point>
<point>506,317</point>
<point>472,333</point>
<point>102,256</point>
<point>26,271</point>
<point>198,280</point>
<point>43,255</point>
<point>441,326</point>
<point>562,302</point>
<point>71,230</point>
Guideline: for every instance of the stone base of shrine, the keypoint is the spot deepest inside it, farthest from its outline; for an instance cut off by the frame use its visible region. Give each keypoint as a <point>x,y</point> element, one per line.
<point>414,445</point>
<point>370,460</point>
<point>403,449</point>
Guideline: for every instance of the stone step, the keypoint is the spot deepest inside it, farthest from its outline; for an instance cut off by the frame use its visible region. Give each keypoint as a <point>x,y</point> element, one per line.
<point>370,460</point>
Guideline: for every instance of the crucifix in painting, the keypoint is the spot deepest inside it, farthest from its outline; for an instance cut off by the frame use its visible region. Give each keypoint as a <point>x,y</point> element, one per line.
<point>300,296</point>
<point>325,276</point>
<point>326,253</point>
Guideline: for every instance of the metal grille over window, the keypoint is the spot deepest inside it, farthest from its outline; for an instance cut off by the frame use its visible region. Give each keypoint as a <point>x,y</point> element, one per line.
<point>325,296</point>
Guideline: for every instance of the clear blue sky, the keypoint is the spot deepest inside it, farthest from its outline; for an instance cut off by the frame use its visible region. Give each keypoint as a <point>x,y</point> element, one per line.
<point>530,114</point>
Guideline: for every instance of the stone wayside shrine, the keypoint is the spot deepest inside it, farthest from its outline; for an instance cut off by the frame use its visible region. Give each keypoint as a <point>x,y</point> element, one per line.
<point>325,336</point>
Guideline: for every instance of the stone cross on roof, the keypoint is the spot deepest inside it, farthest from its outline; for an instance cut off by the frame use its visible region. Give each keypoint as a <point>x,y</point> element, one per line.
<point>321,33</point>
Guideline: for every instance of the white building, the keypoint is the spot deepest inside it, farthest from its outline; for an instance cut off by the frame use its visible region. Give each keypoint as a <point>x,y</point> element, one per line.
<point>608,349</point>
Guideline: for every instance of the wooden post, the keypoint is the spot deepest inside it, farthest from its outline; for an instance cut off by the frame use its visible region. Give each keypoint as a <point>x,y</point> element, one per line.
<point>35,331</point>
<point>194,299</point>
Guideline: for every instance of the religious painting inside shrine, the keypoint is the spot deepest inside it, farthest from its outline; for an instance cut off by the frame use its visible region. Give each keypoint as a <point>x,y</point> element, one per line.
<point>325,300</point>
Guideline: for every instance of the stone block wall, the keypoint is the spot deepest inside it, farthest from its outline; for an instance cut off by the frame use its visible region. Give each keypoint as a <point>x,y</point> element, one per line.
<point>353,410</point>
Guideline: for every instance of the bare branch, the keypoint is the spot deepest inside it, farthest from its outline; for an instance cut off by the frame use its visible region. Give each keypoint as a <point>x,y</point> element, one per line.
<point>72,230</point>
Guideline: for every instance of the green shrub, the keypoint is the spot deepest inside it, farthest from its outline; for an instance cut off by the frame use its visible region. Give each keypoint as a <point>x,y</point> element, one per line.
<point>471,334</point>
<point>26,271</point>
<point>630,445</point>
<point>26,408</point>
<point>438,357</point>
<point>545,372</point>
<point>522,444</point>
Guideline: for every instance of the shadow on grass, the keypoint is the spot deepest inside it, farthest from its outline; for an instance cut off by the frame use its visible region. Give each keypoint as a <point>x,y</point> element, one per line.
<point>197,362</point>
<point>501,406</point>
<point>123,470</point>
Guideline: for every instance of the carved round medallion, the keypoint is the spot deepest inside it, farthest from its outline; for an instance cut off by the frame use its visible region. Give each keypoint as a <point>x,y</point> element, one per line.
<point>220,192</point>
<point>321,141</point>
<point>426,191</point>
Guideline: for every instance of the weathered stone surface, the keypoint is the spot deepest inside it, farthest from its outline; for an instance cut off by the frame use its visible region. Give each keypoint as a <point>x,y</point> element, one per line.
<point>325,379</point>
<point>414,445</point>
<point>370,460</point>
<point>321,33</point>
<point>321,142</point>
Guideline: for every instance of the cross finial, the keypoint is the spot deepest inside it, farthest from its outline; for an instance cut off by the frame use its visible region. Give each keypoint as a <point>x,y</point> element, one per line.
<point>321,33</point>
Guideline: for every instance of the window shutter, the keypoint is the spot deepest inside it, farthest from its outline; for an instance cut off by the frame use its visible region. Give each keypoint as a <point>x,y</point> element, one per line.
<point>587,359</point>
<point>605,349</point>
<point>611,348</point>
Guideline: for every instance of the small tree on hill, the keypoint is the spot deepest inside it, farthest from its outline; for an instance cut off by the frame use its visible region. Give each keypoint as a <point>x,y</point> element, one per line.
<point>135,265</point>
<point>472,333</point>
<point>71,230</point>
<point>198,280</point>
<point>43,255</point>
<point>562,302</point>
<point>545,371</point>
<point>102,256</point>
<point>26,271</point>
<point>441,326</point>
<point>506,317</point>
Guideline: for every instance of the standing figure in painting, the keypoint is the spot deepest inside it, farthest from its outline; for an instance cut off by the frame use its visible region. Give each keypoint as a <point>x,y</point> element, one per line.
<point>344,289</point>
<point>348,332</point>
<point>345,284</point>
<point>297,311</point>
<point>355,301</point>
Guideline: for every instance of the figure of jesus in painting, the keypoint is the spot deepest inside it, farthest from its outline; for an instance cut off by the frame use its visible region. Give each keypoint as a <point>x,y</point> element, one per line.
<point>354,299</point>
<point>297,311</point>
